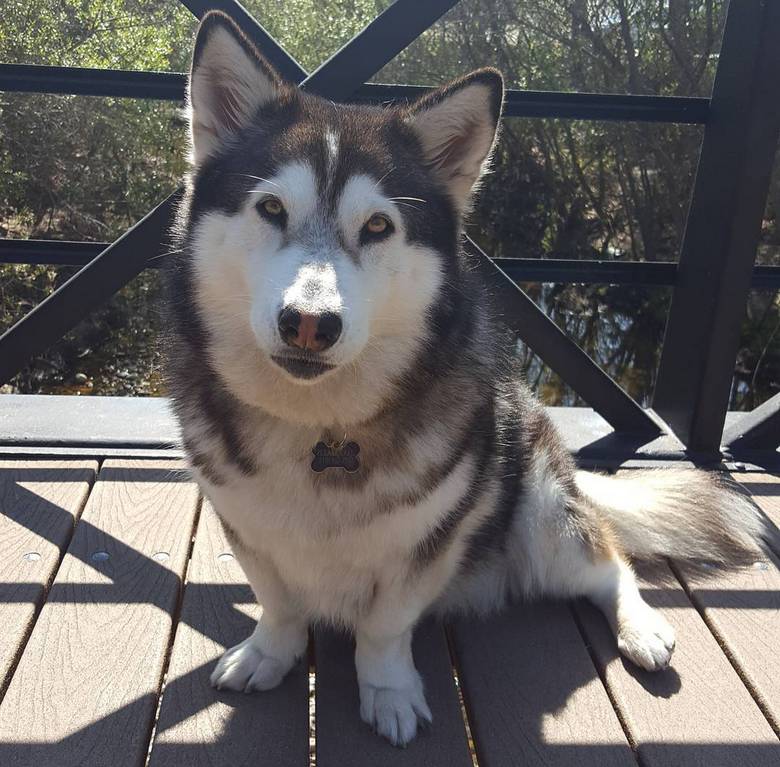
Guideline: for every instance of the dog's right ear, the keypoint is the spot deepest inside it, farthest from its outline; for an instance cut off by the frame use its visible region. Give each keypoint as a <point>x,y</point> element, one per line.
<point>229,82</point>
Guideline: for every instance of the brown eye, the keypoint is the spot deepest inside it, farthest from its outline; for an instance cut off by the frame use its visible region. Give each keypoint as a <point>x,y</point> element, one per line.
<point>377,224</point>
<point>272,210</point>
<point>273,207</point>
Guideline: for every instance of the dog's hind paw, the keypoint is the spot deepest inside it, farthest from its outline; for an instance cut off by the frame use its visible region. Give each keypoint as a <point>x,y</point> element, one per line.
<point>395,714</point>
<point>245,668</point>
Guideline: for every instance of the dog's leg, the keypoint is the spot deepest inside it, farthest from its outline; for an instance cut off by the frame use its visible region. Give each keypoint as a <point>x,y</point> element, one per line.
<point>643,635</point>
<point>262,660</point>
<point>391,690</point>
<point>575,567</point>
<point>569,551</point>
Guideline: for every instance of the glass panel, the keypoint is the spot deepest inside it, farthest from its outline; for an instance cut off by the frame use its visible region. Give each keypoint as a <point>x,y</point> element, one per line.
<point>312,30</point>
<point>571,189</point>
<point>620,327</point>
<point>757,372</point>
<point>115,34</point>
<point>769,244</point>
<point>85,168</point>
<point>117,350</point>
<point>600,46</point>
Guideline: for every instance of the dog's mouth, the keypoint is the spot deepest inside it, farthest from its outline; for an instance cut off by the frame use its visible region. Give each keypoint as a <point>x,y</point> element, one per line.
<point>304,366</point>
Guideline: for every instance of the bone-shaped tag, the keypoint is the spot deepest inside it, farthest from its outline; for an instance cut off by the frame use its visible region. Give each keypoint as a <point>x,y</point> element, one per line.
<point>343,456</point>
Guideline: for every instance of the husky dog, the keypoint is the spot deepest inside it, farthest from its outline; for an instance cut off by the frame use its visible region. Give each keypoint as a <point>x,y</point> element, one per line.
<point>350,402</point>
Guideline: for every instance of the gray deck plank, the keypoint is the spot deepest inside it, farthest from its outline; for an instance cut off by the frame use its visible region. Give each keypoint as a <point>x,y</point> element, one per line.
<point>85,689</point>
<point>698,712</point>
<point>764,489</point>
<point>343,740</point>
<point>39,504</point>
<point>198,725</point>
<point>533,694</point>
<point>742,609</point>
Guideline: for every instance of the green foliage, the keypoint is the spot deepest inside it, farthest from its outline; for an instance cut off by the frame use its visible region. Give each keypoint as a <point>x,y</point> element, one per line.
<point>87,168</point>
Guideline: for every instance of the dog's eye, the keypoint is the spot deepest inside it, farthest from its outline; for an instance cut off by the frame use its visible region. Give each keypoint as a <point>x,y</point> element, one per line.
<point>377,224</point>
<point>272,209</point>
<point>376,228</point>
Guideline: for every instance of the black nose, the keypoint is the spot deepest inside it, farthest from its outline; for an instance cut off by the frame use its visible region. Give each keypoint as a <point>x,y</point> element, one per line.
<point>312,332</point>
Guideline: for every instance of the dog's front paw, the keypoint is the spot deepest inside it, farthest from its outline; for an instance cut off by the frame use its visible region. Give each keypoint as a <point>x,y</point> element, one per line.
<point>395,713</point>
<point>245,668</point>
<point>647,639</point>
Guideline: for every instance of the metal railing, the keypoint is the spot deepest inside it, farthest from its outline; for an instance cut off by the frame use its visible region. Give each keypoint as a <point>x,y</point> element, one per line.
<point>710,282</point>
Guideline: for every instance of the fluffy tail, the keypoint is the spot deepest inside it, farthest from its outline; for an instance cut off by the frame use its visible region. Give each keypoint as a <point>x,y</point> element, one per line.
<point>677,513</point>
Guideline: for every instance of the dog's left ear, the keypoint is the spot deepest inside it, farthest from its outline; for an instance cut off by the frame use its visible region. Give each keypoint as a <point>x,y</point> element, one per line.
<point>229,82</point>
<point>457,126</point>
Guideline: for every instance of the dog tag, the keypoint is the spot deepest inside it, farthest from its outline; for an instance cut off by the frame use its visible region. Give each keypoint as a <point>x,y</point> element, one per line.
<point>343,455</point>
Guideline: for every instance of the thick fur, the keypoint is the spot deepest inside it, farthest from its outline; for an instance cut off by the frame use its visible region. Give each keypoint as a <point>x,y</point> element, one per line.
<point>465,497</point>
<point>676,513</point>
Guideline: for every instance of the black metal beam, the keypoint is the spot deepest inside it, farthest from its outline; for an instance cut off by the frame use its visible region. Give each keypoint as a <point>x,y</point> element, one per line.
<point>562,354</point>
<point>549,270</point>
<point>724,223</point>
<point>49,252</point>
<point>758,430</point>
<point>171,86</point>
<point>84,81</point>
<point>563,105</point>
<point>586,272</point>
<point>85,291</point>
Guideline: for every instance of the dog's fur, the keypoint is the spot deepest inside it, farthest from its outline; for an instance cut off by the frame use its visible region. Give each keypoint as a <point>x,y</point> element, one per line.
<point>465,497</point>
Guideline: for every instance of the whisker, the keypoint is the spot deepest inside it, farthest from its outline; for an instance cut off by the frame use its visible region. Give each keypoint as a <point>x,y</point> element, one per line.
<point>383,178</point>
<point>259,178</point>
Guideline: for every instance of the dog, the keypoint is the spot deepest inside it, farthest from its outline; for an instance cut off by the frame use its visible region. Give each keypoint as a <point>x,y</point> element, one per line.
<point>350,402</point>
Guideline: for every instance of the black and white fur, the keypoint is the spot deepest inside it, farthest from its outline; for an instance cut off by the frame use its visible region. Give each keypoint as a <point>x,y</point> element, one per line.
<point>465,497</point>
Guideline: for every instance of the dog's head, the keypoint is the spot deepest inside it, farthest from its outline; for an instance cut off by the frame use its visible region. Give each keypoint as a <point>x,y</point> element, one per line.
<point>320,235</point>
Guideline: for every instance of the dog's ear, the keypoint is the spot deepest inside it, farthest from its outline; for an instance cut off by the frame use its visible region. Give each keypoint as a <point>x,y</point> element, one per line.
<point>229,81</point>
<point>457,126</point>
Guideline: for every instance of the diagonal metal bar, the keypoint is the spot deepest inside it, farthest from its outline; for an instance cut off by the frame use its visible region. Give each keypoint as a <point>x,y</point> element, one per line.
<point>126,258</point>
<point>285,64</point>
<point>723,227</point>
<point>758,430</point>
<point>562,354</point>
<point>92,286</point>
<point>379,43</point>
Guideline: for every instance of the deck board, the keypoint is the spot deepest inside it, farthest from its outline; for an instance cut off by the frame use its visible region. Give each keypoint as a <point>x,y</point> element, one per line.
<point>198,725</point>
<point>85,690</point>
<point>39,504</point>
<point>86,686</point>
<point>764,489</point>
<point>343,740</point>
<point>698,712</point>
<point>533,694</point>
<point>742,608</point>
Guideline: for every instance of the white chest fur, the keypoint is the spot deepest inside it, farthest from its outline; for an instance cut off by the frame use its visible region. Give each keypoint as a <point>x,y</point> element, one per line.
<point>331,545</point>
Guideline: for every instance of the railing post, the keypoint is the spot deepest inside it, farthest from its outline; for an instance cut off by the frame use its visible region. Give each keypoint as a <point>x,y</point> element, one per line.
<point>724,223</point>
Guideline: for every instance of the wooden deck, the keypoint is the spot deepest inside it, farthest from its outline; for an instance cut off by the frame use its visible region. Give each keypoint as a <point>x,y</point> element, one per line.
<point>119,592</point>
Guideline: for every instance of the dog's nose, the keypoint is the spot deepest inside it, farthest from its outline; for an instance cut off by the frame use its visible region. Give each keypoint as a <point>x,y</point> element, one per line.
<point>312,332</point>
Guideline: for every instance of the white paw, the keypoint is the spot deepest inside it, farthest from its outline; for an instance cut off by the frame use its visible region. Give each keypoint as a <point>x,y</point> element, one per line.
<point>394,714</point>
<point>647,639</point>
<point>245,668</point>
